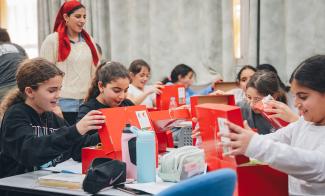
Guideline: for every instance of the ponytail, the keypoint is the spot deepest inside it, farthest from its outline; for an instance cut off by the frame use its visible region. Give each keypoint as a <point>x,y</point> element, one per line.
<point>93,89</point>
<point>14,96</point>
<point>165,80</point>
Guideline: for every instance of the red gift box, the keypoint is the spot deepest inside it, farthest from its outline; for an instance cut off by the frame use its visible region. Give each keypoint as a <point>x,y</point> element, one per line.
<point>90,153</point>
<point>257,180</point>
<point>200,99</point>
<point>163,99</point>
<point>275,122</point>
<point>208,114</point>
<point>111,132</point>
<point>162,121</point>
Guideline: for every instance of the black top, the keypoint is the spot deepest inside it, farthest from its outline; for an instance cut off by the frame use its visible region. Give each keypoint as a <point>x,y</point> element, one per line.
<point>29,140</point>
<point>255,121</point>
<point>94,104</point>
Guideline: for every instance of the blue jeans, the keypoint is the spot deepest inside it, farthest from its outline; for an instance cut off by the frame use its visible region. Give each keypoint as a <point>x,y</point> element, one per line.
<point>70,105</point>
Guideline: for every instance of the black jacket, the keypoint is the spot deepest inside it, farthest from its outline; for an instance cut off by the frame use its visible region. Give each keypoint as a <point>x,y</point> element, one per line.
<point>29,140</point>
<point>93,104</point>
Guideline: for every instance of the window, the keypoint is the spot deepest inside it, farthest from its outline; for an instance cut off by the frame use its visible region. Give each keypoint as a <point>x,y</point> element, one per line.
<point>241,30</point>
<point>21,20</point>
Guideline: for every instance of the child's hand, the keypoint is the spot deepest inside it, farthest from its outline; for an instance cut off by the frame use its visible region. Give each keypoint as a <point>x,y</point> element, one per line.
<point>156,88</point>
<point>57,110</point>
<point>218,92</point>
<point>93,120</point>
<point>240,138</point>
<point>281,110</point>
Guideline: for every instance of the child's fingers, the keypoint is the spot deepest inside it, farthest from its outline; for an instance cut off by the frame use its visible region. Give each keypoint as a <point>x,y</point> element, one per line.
<point>92,127</point>
<point>234,127</point>
<point>232,136</point>
<point>94,112</point>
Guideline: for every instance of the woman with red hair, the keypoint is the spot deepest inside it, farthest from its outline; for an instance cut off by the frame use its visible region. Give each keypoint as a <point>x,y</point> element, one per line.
<point>72,49</point>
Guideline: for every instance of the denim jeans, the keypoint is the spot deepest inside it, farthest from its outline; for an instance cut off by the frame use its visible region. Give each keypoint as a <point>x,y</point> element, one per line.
<point>70,105</point>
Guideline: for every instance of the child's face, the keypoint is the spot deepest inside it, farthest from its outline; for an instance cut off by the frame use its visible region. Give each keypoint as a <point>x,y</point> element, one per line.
<point>186,80</point>
<point>140,79</point>
<point>253,97</point>
<point>245,76</point>
<point>46,96</point>
<point>115,92</point>
<point>310,103</point>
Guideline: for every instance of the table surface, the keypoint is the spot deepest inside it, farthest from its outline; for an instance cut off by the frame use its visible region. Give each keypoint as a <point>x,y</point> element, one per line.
<point>27,183</point>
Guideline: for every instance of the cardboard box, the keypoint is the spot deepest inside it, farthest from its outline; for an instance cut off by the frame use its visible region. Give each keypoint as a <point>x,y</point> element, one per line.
<point>163,99</point>
<point>162,121</point>
<point>111,132</point>
<point>257,180</point>
<point>225,86</point>
<point>208,115</point>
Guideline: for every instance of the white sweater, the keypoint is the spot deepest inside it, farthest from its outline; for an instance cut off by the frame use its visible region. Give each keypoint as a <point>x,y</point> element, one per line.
<point>78,67</point>
<point>135,92</point>
<point>299,150</point>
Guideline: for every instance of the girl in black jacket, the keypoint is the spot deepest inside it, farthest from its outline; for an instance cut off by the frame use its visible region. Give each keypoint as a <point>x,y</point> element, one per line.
<point>108,89</point>
<point>32,136</point>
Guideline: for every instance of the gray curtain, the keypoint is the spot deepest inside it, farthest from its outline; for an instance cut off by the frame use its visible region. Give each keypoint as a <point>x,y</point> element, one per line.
<point>291,31</point>
<point>199,33</point>
<point>162,32</point>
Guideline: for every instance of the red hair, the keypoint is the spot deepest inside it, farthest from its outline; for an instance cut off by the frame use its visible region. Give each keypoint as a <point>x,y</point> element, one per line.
<point>64,41</point>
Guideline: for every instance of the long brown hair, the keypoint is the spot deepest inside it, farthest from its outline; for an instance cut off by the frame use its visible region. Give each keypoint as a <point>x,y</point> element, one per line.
<point>31,73</point>
<point>106,73</point>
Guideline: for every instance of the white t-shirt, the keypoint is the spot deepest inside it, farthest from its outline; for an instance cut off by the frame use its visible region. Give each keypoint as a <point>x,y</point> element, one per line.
<point>135,92</point>
<point>298,150</point>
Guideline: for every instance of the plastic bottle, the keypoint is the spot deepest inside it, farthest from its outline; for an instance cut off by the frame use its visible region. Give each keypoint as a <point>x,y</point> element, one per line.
<point>129,150</point>
<point>172,103</point>
<point>146,157</point>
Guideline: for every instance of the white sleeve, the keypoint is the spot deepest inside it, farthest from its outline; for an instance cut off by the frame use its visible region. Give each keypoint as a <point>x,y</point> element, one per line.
<point>49,48</point>
<point>282,135</point>
<point>308,165</point>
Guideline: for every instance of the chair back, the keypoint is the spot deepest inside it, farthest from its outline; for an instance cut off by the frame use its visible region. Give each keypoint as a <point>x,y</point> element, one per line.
<point>220,182</point>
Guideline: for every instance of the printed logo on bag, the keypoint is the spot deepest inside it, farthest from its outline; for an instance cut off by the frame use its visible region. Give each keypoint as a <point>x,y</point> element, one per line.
<point>115,179</point>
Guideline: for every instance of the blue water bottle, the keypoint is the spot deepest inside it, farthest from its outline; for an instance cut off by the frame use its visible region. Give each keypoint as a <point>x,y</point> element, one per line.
<point>146,157</point>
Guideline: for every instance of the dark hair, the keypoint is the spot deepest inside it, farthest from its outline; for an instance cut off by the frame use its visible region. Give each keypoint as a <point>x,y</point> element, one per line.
<point>74,9</point>
<point>242,69</point>
<point>267,83</point>
<point>106,73</point>
<point>310,73</point>
<point>136,66</point>
<point>269,67</point>
<point>99,49</point>
<point>31,73</point>
<point>4,35</point>
<point>180,70</point>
